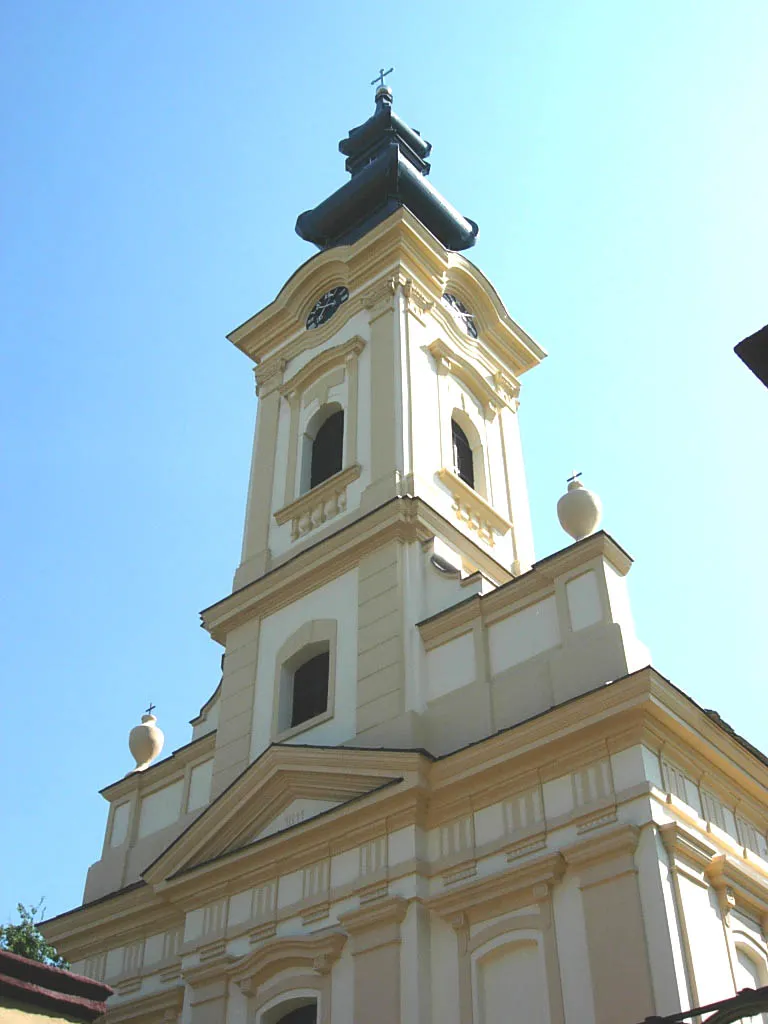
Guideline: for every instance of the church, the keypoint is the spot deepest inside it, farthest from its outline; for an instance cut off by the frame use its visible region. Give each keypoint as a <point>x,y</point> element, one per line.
<point>439,781</point>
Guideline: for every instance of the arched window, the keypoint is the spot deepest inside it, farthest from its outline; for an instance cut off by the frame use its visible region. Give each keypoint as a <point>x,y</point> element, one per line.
<point>305,675</point>
<point>327,449</point>
<point>292,1011</point>
<point>463,460</point>
<point>309,696</point>
<point>750,974</point>
<point>301,1015</point>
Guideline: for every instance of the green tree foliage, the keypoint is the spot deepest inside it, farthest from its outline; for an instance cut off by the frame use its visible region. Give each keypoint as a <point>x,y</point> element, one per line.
<point>26,939</point>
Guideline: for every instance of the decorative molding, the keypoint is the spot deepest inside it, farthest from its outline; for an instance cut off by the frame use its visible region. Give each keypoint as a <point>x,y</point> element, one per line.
<point>379,294</point>
<point>280,775</point>
<point>503,392</point>
<point>473,510</point>
<point>375,924</point>
<point>604,857</point>
<point>738,884</point>
<point>417,300</point>
<point>526,846</point>
<point>507,388</point>
<point>492,896</point>
<point>262,932</point>
<point>317,506</point>
<point>268,375</point>
<point>159,1006</point>
<point>597,820</point>
<point>320,365</point>
<point>211,973</point>
<point>404,519</point>
<point>680,842</point>
<point>316,952</point>
<point>392,910</point>
<point>399,246</point>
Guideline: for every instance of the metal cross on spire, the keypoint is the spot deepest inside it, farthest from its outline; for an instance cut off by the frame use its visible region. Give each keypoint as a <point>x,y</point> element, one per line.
<point>150,709</point>
<point>575,476</point>
<point>379,80</point>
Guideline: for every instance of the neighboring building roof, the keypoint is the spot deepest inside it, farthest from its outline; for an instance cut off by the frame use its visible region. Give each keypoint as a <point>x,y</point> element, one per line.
<point>754,352</point>
<point>35,987</point>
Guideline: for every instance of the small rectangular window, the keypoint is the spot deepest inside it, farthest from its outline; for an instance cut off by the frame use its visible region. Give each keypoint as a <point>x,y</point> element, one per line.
<point>310,689</point>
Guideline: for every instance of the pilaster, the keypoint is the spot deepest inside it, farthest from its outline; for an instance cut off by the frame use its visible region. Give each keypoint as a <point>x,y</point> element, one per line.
<point>616,940</point>
<point>385,403</point>
<point>255,553</point>
<point>374,932</point>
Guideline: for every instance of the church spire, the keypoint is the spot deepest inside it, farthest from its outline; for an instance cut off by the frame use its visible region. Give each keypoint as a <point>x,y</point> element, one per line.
<point>387,161</point>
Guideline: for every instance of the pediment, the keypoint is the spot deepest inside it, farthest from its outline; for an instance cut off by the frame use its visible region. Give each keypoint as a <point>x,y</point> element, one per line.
<point>285,791</point>
<point>297,812</point>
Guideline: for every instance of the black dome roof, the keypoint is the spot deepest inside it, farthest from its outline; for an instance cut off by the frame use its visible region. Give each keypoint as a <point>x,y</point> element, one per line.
<point>386,159</point>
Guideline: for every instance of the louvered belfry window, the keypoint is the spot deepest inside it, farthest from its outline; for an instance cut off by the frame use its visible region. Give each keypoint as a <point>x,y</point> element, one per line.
<point>310,689</point>
<point>327,449</point>
<point>462,455</point>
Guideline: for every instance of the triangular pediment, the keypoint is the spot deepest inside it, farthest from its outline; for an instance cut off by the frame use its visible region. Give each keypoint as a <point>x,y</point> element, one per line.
<point>297,812</point>
<point>287,790</point>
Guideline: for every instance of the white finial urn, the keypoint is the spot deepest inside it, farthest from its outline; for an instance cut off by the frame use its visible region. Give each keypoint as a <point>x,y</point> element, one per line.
<point>579,510</point>
<point>145,742</point>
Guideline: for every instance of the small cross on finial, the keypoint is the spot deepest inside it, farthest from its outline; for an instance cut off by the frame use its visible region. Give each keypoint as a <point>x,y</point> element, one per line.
<point>575,476</point>
<point>150,709</point>
<point>379,80</point>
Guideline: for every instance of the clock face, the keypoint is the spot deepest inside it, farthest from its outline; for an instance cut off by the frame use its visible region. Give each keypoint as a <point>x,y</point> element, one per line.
<point>326,306</point>
<point>461,313</point>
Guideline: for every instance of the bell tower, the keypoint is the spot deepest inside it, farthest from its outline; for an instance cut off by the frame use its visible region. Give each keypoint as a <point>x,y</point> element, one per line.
<point>402,343</point>
<point>387,452</point>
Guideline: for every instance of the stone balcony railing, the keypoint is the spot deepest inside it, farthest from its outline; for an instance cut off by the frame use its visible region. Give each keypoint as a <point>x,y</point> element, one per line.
<point>472,509</point>
<point>317,506</point>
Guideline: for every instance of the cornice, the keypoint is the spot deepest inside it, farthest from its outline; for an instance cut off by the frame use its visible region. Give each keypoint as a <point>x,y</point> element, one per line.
<point>463,370</point>
<point>317,952</point>
<point>320,364</point>
<point>380,912</point>
<point>617,842</point>
<point>469,283</point>
<point>405,519</point>
<point>745,882</point>
<point>159,774</point>
<point>165,1005</point>
<point>529,882</point>
<point>523,590</point>
<point>548,736</point>
<point>210,970</point>
<point>202,713</point>
<point>682,842</point>
<point>402,246</point>
<point>318,838</point>
<point>90,929</point>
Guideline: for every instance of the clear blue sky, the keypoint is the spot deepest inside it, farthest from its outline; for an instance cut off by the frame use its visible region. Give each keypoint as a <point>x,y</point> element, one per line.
<point>155,158</point>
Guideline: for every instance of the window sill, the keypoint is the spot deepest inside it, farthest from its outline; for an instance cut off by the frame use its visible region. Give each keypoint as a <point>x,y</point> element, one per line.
<point>317,506</point>
<point>473,510</point>
<point>310,723</point>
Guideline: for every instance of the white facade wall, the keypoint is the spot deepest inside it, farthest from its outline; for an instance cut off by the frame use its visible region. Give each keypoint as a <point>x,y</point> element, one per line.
<point>695,953</point>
